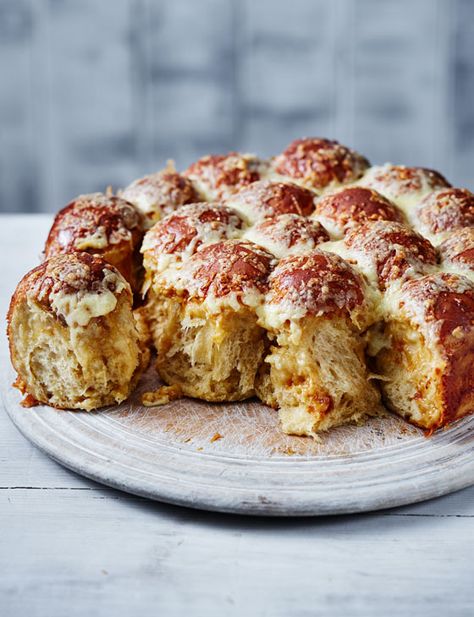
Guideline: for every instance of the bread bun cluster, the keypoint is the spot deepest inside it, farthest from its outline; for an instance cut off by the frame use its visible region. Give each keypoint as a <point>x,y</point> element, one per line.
<point>324,286</point>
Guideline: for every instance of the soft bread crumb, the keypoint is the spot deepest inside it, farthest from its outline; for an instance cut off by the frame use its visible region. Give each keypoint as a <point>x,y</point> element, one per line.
<point>162,396</point>
<point>75,367</point>
<point>412,370</point>
<point>212,357</point>
<point>316,376</point>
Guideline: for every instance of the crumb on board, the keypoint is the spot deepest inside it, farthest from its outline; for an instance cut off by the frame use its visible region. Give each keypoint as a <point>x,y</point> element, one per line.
<point>216,437</point>
<point>162,396</point>
<point>286,451</point>
<point>29,401</point>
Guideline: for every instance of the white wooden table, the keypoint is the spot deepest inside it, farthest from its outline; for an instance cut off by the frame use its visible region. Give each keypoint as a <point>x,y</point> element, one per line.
<point>71,547</point>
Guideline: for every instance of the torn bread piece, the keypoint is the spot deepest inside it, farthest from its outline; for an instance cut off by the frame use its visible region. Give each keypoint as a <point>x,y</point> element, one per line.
<point>211,344</point>
<point>72,334</point>
<point>426,363</point>
<point>315,312</point>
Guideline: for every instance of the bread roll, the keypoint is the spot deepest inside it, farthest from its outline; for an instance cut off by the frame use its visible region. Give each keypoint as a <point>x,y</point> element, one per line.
<point>319,163</point>
<point>211,345</point>
<point>442,211</point>
<point>457,252</point>
<point>264,199</point>
<point>220,175</point>
<point>180,234</point>
<point>102,225</point>
<point>388,252</point>
<point>287,234</point>
<point>170,243</point>
<point>426,363</point>
<point>315,373</point>
<point>345,208</point>
<point>404,186</point>
<point>72,335</point>
<point>159,194</point>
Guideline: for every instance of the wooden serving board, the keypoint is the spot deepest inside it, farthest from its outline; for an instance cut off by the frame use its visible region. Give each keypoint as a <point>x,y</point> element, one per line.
<point>234,457</point>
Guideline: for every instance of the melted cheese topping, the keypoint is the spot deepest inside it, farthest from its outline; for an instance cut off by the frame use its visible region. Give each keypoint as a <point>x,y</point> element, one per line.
<point>458,267</point>
<point>362,260</point>
<point>329,225</point>
<point>97,240</point>
<point>77,309</point>
<point>277,246</point>
<point>380,178</point>
<point>273,316</point>
<point>208,232</point>
<point>144,196</point>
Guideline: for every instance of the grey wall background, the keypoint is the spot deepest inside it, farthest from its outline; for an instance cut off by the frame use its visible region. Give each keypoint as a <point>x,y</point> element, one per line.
<point>97,92</point>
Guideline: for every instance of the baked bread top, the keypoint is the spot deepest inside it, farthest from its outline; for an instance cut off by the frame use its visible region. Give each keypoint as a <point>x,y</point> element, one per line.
<point>74,287</point>
<point>159,194</point>
<point>94,223</point>
<point>319,163</point>
<point>337,229</point>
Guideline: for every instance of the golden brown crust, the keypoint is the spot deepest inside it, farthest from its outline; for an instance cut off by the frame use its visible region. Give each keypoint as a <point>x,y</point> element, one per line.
<point>393,249</point>
<point>100,225</point>
<point>445,210</point>
<point>70,274</point>
<point>442,307</point>
<point>441,303</point>
<point>317,283</point>
<point>190,227</point>
<point>266,198</point>
<point>355,205</point>
<point>229,267</point>
<point>397,182</point>
<point>288,233</point>
<point>320,162</point>
<point>160,194</point>
<point>217,175</point>
<point>458,248</point>
<point>115,219</point>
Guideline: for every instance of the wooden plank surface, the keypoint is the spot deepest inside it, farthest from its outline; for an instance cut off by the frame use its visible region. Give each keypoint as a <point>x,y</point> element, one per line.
<point>69,546</point>
<point>101,553</point>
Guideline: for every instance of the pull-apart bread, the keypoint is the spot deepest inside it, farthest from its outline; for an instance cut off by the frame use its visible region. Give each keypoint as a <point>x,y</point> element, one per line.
<point>212,345</point>
<point>315,312</point>
<point>100,225</point>
<point>73,339</point>
<point>159,194</point>
<point>320,284</point>
<point>169,245</point>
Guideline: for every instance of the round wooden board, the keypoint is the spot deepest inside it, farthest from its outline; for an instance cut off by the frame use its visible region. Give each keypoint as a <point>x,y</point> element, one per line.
<point>234,458</point>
